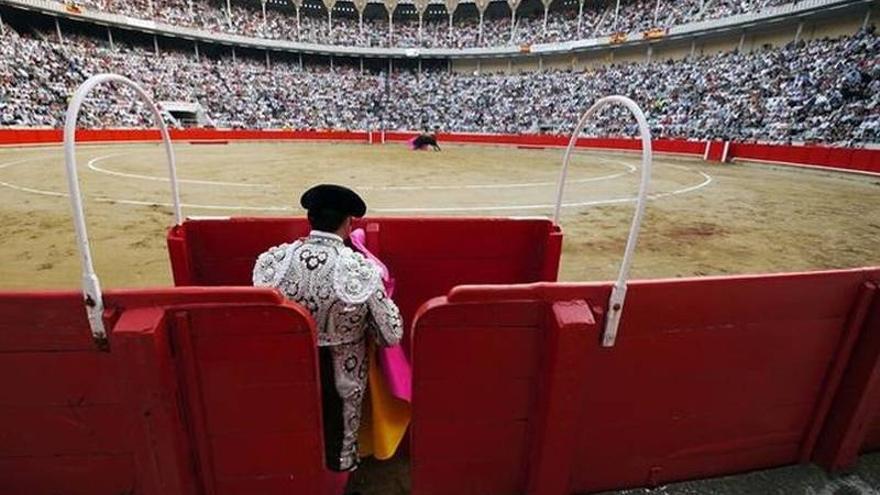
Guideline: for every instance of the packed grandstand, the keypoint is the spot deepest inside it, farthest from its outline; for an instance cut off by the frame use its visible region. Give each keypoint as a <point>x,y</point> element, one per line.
<point>822,90</point>
<point>570,20</point>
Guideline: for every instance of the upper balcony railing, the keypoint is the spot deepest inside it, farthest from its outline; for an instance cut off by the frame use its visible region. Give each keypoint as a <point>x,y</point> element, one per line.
<point>687,30</point>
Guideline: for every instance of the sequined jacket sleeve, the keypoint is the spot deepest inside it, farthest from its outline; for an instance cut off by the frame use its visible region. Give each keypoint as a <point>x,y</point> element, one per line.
<point>385,318</point>
<point>271,266</point>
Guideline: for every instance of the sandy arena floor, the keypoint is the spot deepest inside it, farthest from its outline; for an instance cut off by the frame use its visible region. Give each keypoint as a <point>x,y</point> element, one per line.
<point>705,218</point>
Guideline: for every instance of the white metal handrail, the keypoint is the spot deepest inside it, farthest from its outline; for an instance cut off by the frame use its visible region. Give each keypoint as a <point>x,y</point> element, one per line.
<point>93,298</point>
<point>618,292</point>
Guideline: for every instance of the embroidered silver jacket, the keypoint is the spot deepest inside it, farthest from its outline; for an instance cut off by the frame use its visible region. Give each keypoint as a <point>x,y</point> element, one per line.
<point>340,288</point>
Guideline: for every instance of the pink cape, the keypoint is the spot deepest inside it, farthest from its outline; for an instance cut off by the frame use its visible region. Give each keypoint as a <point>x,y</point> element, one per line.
<point>392,360</point>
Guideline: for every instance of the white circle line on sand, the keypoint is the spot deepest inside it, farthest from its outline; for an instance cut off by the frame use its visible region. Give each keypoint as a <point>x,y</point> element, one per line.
<point>92,164</point>
<point>102,199</point>
<point>707,179</point>
<point>630,169</point>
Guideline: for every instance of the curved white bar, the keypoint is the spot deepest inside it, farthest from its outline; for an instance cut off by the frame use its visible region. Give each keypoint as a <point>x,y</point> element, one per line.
<point>91,286</point>
<point>618,292</point>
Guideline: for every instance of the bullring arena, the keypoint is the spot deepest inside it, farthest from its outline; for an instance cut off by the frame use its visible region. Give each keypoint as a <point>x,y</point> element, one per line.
<point>643,258</point>
<point>704,218</point>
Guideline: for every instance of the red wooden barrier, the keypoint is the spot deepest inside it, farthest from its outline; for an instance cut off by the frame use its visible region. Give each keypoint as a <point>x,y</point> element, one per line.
<point>821,156</point>
<point>203,391</point>
<point>428,256</point>
<point>708,377</point>
<point>867,160</point>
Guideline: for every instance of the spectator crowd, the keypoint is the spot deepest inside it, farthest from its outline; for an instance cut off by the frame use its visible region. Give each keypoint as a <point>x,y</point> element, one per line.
<point>313,26</point>
<point>825,90</point>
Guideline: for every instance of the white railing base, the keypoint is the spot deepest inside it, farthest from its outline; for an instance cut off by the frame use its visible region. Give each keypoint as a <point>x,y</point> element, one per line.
<point>618,293</point>
<point>91,286</point>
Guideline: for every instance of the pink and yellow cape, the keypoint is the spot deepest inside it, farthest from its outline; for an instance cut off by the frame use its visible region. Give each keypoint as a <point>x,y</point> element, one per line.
<point>387,412</point>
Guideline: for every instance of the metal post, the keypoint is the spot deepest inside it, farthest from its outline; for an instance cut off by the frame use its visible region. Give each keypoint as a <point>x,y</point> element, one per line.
<point>362,65</point>
<point>546,10</point>
<point>540,64</point>
<point>650,52</point>
<point>693,48</point>
<point>361,23</point>
<point>298,27</point>
<point>196,45</point>
<point>480,37</point>
<point>58,32</point>
<point>300,61</point>
<point>421,16</point>
<point>616,11</point>
<point>233,54</point>
<point>512,25</point>
<point>420,67</point>
<point>267,60</point>
<point>867,19</point>
<point>390,27</point>
<point>656,12</point>
<point>580,16</point>
<point>450,24</point>
<point>742,42</point>
<point>618,292</point>
<point>329,22</point>
<point>229,13</point>
<point>390,67</point>
<point>797,35</point>
<point>2,26</point>
<point>510,66</point>
<point>110,38</point>
<point>265,22</point>
<point>479,68</point>
<point>332,69</point>
<point>156,44</point>
<point>92,294</point>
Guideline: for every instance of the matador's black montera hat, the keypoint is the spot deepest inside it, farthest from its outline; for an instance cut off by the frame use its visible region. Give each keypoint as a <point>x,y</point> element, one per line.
<point>333,197</point>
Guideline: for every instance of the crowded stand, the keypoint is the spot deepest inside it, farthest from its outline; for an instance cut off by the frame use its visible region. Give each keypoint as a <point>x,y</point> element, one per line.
<point>825,90</point>
<point>283,20</point>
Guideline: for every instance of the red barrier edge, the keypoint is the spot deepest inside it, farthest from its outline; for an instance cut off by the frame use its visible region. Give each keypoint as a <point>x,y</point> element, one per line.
<point>858,397</point>
<point>560,397</point>
<point>823,157</point>
<point>144,364</point>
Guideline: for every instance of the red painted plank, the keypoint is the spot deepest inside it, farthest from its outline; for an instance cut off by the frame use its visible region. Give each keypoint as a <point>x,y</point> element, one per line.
<point>501,399</point>
<point>481,352</point>
<point>51,321</point>
<point>269,484</point>
<point>58,378</point>
<point>68,429</point>
<point>432,477</point>
<point>474,440</point>
<point>88,474</point>
<point>291,349</point>
<point>254,454</point>
<point>219,376</point>
<point>269,409</point>
<point>507,314</point>
<point>248,321</point>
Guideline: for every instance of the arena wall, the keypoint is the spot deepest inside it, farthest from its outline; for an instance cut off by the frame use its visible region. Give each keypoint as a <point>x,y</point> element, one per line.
<point>837,158</point>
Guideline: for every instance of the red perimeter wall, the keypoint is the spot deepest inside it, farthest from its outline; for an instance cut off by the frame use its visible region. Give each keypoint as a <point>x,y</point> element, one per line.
<point>855,159</point>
